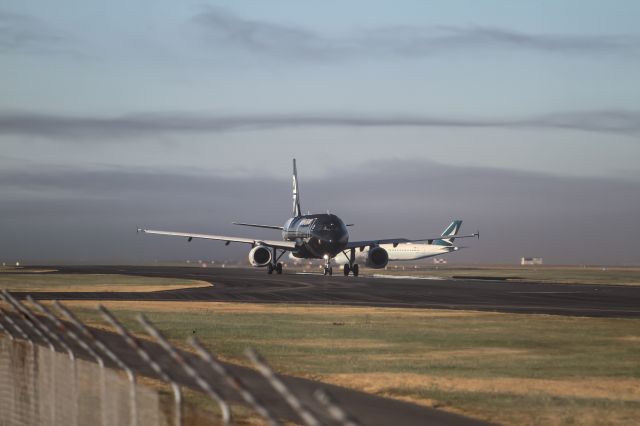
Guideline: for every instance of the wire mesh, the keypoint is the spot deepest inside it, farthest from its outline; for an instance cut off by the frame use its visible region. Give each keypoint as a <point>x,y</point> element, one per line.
<point>69,383</point>
<point>39,386</point>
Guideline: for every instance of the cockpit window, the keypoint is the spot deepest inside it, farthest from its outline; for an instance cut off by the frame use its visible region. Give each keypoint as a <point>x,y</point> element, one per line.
<point>330,226</point>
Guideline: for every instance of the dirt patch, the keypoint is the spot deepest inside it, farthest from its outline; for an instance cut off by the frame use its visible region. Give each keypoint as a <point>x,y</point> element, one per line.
<point>629,339</point>
<point>109,288</point>
<point>435,355</point>
<point>250,308</point>
<point>344,343</point>
<point>380,383</point>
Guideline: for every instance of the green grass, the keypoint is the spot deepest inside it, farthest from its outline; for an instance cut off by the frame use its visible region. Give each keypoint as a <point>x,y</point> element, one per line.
<point>548,346</point>
<point>488,358</point>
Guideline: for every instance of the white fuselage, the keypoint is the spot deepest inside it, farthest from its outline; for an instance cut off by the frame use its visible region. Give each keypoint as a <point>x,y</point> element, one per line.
<point>405,251</point>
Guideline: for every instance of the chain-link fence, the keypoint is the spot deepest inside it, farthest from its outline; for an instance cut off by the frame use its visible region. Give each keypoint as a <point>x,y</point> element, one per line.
<point>55,370</point>
<point>40,386</point>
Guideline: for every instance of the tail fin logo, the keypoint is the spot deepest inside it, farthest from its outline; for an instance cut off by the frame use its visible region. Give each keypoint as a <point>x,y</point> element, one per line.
<point>449,233</point>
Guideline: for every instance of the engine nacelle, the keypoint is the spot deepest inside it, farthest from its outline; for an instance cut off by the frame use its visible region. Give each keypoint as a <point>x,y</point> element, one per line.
<point>377,258</point>
<point>260,256</point>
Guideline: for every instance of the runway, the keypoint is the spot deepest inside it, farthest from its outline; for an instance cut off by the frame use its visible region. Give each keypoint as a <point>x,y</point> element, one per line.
<point>256,286</point>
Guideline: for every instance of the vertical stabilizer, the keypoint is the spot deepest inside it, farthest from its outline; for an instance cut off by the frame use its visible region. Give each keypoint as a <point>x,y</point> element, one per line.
<point>450,231</point>
<point>296,194</point>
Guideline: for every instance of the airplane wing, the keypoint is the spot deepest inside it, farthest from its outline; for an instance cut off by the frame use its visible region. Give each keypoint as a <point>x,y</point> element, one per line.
<point>283,245</point>
<point>396,241</point>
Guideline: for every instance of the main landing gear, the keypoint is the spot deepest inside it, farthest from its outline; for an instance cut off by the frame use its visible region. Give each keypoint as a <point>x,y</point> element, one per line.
<point>355,269</point>
<point>351,266</point>
<point>277,268</point>
<point>275,265</point>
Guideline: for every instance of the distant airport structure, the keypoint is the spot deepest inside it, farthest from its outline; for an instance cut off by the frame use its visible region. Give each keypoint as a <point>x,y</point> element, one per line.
<point>530,261</point>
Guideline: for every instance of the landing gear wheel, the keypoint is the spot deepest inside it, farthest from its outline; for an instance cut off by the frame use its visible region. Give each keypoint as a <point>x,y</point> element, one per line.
<point>279,268</point>
<point>346,269</point>
<point>330,270</point>
<point>356,270</point>
<point>270,269</point>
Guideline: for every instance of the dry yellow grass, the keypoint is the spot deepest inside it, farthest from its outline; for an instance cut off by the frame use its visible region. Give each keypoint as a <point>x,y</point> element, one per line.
<point>40,280</point>
<point>115,288</point>
<point>629,339</point>
<point>614,388</point>
<point>322,343</point>
<point>437,355</point>
<point>256,308</point>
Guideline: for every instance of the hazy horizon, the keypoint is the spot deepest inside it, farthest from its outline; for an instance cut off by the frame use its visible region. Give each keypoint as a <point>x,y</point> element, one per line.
<point>92,215</point>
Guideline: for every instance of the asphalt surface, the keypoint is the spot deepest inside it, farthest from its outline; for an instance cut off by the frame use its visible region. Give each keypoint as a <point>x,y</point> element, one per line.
<point>256,286</point>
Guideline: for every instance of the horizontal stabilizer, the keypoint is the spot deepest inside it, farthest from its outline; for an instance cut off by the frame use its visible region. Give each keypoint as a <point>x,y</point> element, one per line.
<point>258,226</point>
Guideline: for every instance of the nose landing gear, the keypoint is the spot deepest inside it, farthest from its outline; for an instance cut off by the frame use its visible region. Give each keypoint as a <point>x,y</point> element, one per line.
<point>328,270</point>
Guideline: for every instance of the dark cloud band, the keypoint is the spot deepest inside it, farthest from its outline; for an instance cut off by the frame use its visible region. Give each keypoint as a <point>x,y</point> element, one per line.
<point>60,127</point>
<point>221,27</point>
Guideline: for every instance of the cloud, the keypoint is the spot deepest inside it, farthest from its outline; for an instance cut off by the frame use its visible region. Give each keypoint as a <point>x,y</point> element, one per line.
<point>265,38</point>
<point>256,36</point>
<point>26,34</point>
<point>89,128</point>
<point>91,215</point>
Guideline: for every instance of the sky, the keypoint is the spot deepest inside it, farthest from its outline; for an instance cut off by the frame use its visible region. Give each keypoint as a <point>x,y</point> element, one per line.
<point>521,118</point>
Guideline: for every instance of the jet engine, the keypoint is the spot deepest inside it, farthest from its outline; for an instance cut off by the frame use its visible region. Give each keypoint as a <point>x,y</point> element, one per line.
<point>260,256</point>
<point>377,258</point>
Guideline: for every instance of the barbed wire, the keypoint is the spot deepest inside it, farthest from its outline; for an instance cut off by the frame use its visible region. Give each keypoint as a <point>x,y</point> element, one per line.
<point>86,344</point>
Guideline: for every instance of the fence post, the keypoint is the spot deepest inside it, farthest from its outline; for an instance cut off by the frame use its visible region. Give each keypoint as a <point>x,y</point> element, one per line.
<point>191,372</point>
<point>233,381</point>
<point>29,319</point>
<point>6,330</point>
<point>335,411</point>
<point>105,349</point>
<point>135,345</point>
<point>70,333</point>
<point>15,326</point>
<point>56,323</point>
<point>307,417</point>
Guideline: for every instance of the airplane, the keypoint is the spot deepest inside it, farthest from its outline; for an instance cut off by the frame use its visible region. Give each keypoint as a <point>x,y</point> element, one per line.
<point>311,236</point>
<point>411,251</point>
